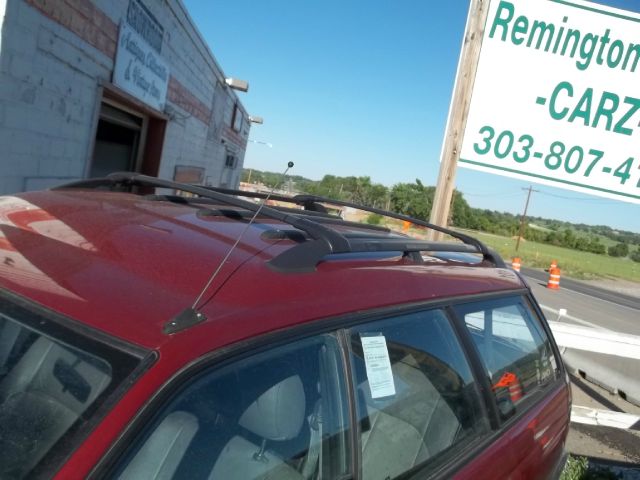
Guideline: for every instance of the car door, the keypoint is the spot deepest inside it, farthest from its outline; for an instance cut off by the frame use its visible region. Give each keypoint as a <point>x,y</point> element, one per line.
<point>529,387</point>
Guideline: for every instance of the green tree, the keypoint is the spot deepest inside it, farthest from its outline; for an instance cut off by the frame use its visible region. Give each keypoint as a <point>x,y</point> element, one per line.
<point>618,250</point>
<point>413,199</point>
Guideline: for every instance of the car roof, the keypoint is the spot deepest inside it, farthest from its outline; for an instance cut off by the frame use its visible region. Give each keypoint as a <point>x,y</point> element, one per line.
<point>127,265</point>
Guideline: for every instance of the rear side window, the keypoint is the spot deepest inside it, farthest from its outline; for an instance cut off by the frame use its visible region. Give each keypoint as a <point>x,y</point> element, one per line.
<point>51,382</point>
<point>514,348</point>
<point>417,401</point>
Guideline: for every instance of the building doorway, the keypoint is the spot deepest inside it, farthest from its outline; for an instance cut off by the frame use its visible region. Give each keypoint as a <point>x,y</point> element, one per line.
<point>119,140</point>
<point>129,136</point>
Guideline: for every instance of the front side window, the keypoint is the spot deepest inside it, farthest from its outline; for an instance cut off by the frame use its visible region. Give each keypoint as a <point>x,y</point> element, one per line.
<point>514,348</point>
<point>51,382</point>
<point>417,402</point>
<point>279,414</point>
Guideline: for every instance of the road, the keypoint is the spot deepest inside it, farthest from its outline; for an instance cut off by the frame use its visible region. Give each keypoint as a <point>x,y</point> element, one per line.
<point>541,276</point>
<point>603,309</point>
<point>586,305</point>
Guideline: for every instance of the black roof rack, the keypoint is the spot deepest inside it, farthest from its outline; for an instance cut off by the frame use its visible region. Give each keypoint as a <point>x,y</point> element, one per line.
<point>305,256</point>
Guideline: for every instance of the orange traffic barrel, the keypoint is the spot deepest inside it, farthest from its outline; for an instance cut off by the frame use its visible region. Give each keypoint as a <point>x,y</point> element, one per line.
<point>554,278</point>
<point>405,225</point>
<point>515,263</point>
<point>554,264</point>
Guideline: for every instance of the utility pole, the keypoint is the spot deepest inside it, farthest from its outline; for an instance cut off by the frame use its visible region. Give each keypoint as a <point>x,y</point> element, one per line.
<point>524,215</point>
<point>458,111</point>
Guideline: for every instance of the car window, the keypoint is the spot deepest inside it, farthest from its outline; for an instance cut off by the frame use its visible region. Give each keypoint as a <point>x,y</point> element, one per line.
<point>514,349</point>
<point>278,414</point>
<point>417,400</point>
<point>51,383</point>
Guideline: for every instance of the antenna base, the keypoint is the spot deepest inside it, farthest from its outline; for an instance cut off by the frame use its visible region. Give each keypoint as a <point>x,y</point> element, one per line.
<point>185,319</point>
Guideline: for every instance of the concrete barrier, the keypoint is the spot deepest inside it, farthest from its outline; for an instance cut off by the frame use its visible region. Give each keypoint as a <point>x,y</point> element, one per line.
<point>596,340</point>
<point>606,358</point>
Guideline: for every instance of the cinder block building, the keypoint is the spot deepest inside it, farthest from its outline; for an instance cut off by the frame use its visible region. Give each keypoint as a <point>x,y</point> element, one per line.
<point>88,87</point>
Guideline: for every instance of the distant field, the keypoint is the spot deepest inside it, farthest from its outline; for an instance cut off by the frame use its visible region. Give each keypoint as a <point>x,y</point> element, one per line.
<point>573,263</point>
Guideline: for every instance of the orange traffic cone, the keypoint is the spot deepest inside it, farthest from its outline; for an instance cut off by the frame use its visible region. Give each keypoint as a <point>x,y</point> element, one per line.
<point>510,381</point>
<point>554,278</point>
<point>405,225</point>
<point>515,390</point>
<point>515,263</point>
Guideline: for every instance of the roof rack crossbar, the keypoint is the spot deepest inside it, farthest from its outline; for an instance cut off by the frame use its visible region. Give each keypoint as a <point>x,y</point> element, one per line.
<point>306,199</point>
<point>210,201</point>
<point>304,257</point>
<point>334,241</point>
<point>398,216</point>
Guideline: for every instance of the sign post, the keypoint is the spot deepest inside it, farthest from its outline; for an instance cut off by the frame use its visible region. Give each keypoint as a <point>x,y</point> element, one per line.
<point>458,112</point>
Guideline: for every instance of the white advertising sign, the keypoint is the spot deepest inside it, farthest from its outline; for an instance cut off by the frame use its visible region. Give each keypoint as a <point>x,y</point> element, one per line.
<point>139,69</point>
<point>556,98</point>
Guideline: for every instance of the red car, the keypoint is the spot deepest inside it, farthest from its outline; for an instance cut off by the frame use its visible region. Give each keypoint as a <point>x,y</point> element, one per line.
<point>146,334</point>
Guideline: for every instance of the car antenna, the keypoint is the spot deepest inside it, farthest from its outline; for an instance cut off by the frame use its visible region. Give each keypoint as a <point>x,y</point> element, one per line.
<point>191,316</point>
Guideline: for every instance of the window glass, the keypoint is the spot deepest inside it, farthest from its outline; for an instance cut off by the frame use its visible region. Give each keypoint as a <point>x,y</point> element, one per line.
<point>237,118</point>
<point>50,385</point>
<point>514,349</point>
<point>279,414</point>
<point>416,397</point>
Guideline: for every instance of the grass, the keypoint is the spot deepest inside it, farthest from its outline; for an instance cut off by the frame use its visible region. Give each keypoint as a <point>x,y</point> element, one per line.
<point>578,468</point>
<point>572,263</point>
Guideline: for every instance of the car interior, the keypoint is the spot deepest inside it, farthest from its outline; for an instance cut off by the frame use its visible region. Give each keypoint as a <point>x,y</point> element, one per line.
<point>254,422</point>
<point>45,388</point>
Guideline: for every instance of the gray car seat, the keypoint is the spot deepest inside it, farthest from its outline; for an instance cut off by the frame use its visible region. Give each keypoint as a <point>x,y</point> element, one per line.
<point>410,427</point>
<point>162,452</point>
<point>276,415</point>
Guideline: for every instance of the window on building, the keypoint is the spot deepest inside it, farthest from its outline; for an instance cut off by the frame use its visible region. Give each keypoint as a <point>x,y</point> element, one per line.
<point>238,118</point>
<point>230,161</point>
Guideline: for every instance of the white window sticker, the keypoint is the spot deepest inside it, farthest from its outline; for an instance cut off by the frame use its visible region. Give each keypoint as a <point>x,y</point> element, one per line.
<point>376,360</point>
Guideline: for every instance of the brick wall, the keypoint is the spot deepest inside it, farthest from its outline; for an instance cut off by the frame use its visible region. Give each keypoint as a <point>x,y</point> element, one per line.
<point>53,56</point>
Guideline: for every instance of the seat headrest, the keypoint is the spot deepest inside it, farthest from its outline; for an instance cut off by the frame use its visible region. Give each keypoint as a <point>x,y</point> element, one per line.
<point>278,413</point>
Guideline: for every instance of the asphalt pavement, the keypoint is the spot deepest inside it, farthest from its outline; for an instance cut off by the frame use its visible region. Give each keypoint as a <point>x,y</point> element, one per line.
<point>585,304</point>
<point>590,290</point>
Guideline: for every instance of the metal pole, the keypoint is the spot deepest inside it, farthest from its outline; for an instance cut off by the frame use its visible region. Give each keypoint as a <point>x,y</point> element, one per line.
<point>524,215</point>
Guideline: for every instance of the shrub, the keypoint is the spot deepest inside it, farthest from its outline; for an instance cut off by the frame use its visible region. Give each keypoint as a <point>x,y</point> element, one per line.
<point>374,219</point>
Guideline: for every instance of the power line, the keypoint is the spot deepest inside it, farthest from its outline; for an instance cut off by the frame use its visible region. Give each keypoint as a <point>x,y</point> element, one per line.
<point>601,200</point>
<point>491,194</point>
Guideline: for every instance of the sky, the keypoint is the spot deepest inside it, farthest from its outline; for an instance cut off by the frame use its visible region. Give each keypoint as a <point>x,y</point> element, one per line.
<point>362,88</point>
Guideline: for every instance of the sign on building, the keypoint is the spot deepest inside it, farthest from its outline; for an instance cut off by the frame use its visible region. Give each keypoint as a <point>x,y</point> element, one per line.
<point>556,98</point>
<point>139,68</point>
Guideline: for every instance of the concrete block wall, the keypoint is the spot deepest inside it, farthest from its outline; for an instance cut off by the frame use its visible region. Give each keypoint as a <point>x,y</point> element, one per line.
<point>48,88</point>
<point>54,55</point>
